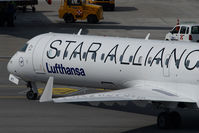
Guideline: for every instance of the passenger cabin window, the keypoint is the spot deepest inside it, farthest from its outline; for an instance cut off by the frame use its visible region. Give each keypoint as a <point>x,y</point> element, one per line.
<point>84,55</point>
<point>121,58</point>
<point>112,56</point>
<point>175,30</point>
<point>167,61</point>
<point>195,30</point>
<point>23,49</point>
<point>140,59</point>
<point>65,53</point>
<point>158,61</point>
<point>74,55</point>
<point>183,30</point>
<point>130,58</point>
<point>187,63</point>
<point>149,60</point>
<point>102,56</point>
<point>197,64</point>
<point>58,53</point>
<point>93,56</point>
<point>177,62</point>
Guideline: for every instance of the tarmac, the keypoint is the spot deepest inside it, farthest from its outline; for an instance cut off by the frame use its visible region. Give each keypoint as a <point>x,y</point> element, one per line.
<point>132,18</point>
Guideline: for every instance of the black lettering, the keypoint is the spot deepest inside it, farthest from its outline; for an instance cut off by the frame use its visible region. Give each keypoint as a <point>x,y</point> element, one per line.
<point>137,64</point>
<point>122,62</point>
<point>77,52</point>
<point>54,48</point>
<point>177,63</point>
<point>93,51</point>
<point>110,55</point>
<point>185,61</point>
<point>65,51</point>
<point>161,58</point>
<point>147,56</point>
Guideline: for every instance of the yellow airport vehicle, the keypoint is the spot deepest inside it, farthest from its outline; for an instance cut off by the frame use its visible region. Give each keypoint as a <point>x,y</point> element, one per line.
<point>106,4</point>
<point>72,10</point>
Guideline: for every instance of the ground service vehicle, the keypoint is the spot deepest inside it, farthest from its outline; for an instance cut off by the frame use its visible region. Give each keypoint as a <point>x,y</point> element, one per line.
<point>184,32</point>
<point>72,10</point>
<point>106,4</point>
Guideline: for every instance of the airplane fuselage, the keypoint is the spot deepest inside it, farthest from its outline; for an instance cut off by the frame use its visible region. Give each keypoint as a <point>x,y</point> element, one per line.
<point>162,73</point>
<point>107,62</point>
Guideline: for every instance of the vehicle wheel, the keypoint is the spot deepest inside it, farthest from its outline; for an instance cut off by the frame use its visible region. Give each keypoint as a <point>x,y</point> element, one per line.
<point>92,19</point>
<point>68,18</point>
<point>164,120</point>
<point>175,119</point>
<point>33,9</point>
<point>31,95</point>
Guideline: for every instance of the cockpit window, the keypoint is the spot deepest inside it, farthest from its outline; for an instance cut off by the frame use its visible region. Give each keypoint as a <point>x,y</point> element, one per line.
<point>23,49</point>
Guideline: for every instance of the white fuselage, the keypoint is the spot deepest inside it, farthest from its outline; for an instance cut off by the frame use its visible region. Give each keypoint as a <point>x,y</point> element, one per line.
<point>107,62</point>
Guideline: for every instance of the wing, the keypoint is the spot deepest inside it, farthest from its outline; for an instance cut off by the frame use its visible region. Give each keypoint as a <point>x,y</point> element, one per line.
<point>137,91</point>
<point>128,94</point>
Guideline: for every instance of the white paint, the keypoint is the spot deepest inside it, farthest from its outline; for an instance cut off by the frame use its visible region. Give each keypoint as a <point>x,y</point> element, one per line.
<point>152,80</point>
<point>13,79</point>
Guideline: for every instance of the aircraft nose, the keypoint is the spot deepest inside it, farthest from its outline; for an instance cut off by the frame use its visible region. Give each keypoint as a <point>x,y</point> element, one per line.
<point>10,66</point>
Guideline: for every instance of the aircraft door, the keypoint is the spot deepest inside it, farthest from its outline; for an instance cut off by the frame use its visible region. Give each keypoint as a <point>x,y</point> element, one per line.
<point>38,54</point>
<point>166,66</point>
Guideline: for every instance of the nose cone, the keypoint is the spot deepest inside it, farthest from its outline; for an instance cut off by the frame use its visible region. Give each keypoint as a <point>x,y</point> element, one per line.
<point>10,67</point>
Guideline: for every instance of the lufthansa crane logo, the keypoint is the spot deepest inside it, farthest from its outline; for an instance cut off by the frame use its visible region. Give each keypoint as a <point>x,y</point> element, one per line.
<point>21,61</point>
